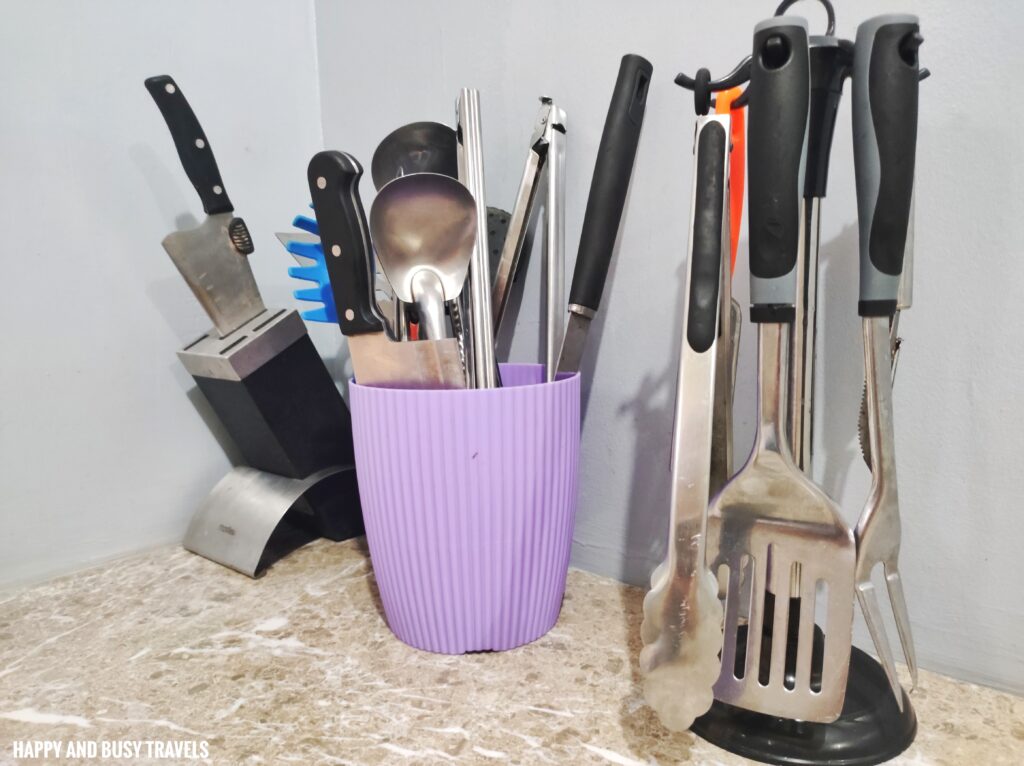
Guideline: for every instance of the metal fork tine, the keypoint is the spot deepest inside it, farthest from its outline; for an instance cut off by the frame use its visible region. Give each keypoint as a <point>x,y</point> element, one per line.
<point>873,617</point>
<point>805,637</point>
<point>899,610</point>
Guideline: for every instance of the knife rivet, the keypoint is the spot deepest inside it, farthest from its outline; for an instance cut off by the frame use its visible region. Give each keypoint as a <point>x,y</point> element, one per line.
<point>170,88</point>
<point>200,143</point>
<point>350,314</point>
<point>321,182</point>
<point>336,250</point>
<point>217,190</point>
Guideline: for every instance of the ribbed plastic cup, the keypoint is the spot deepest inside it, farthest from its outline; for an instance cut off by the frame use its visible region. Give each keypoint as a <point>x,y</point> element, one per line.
<point>469,500</point>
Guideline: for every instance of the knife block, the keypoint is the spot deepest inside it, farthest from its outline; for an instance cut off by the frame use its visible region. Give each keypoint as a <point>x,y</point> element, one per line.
<point>271,391</point>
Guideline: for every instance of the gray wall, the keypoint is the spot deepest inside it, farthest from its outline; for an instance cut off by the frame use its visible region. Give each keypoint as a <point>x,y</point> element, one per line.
<point>104,446</point>
<point>959,418</point>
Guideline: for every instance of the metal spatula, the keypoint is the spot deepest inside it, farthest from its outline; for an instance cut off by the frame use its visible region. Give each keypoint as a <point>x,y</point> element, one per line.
<point>773,535</point>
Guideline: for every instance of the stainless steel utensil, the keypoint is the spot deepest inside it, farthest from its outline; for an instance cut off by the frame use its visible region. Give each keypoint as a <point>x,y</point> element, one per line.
<point>213,258</point>
<point>419,147</point>
<point>903,302</point>
<point>235,522</point>
<point>830,66</point>
<point>605,203</point>
<point>469,142</point>
<point>545,166</point>
<point>773,535</point>
<point>682,627</point>
<point>424,229</point>
<point>377,360</point>
<point>885,96</point>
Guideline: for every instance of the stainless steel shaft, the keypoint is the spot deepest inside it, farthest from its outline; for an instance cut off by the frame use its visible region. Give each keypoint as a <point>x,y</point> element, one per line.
<point>471,173</point>
<point>554,247</point>
<point>802,339</point>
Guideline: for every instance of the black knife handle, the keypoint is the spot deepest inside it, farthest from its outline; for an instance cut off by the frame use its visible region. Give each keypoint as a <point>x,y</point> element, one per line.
<point>885,91</point>
<point>779,93</point>
<point>612,172</point>
<point>190,141</point>
<point>830,61</point>
<point>706,239</point>
<point>334,187</point>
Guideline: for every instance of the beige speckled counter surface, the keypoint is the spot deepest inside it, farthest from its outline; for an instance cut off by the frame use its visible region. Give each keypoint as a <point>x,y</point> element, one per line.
<point>300,667</point>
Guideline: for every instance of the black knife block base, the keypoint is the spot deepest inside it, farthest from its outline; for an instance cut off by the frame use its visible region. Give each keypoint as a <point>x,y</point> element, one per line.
<point>870,730</point>
<point>318,513</point>
<point>287,417</point>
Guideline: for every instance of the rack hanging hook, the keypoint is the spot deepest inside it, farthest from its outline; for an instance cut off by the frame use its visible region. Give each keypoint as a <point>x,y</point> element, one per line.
<point>830,28</point>
<point>703,86</point>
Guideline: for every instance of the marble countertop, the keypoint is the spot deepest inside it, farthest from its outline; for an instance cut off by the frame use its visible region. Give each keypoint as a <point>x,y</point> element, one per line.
<point>300,667</point>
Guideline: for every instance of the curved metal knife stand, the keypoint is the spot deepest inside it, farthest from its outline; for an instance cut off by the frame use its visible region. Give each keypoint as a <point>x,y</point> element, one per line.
<point>874,724</point>
<point>270,389</point>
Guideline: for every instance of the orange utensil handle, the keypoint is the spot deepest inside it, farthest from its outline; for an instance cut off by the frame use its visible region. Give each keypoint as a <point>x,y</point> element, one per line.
<point>737,164</point>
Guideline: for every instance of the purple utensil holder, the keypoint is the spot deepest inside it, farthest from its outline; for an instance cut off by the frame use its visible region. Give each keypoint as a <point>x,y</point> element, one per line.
<point>469,500</point>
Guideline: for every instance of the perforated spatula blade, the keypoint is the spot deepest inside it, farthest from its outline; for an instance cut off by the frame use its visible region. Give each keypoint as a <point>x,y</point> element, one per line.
<point>773,535</point>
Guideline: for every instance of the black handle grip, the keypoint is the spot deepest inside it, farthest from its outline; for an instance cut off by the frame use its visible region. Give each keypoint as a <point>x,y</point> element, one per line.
<point>190,141</point>
<point>706,243</point>
<point>779,93</point>
<point>885,94</point>
<point>610,183</point>
<point>831,62</point>
<point>334,187</point>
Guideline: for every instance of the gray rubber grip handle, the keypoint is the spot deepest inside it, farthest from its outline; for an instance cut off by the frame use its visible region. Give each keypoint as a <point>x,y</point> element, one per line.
<point>885,88</point>
<point>776,158</point>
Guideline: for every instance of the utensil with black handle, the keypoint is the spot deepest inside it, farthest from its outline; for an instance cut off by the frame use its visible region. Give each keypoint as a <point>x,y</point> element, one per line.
<point>682,626</point>
<point>612,171</point>
<point>885,98</point>
<point>775,532</point>
<point>213,258</point>
<point>830,62</point>
<point>376,359</point>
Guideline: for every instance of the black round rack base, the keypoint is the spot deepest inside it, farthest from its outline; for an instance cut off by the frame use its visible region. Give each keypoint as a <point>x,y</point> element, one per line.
<point>870,730</point>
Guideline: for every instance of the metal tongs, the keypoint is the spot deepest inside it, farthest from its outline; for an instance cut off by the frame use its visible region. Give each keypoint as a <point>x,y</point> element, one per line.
<point>545,166</point>
<point>682,627</point>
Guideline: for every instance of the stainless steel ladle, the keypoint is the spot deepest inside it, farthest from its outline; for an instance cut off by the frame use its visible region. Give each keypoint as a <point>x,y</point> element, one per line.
<point>419,147</point>
<point>423,227</point>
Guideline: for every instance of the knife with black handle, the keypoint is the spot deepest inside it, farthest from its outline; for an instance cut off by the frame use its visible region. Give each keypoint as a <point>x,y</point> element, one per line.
<point>190,141</point>
<point>212,257</point>
<point>334,186</point>
<point>345,236</point>
<point>612,173</point>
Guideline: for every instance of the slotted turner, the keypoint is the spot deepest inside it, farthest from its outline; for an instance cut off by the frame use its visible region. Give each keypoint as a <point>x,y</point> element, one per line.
<point>773,535</point>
